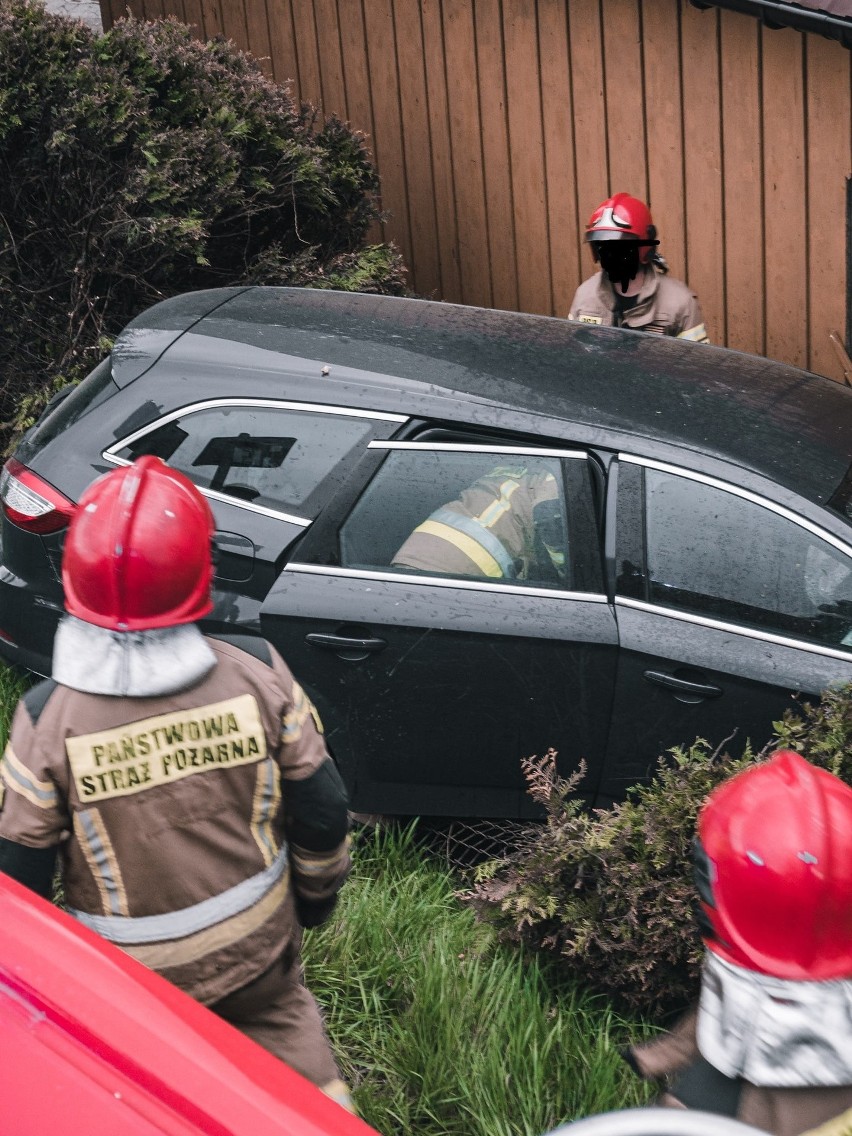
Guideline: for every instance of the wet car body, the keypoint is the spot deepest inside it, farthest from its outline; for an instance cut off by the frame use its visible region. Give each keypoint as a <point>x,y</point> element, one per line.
<point>704,500</point>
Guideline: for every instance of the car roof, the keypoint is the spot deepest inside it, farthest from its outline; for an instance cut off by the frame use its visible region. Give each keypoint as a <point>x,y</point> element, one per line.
<point>777,420</point>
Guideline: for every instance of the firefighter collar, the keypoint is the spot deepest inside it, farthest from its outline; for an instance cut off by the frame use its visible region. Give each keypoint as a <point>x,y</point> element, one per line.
<point>774,1032</point>
<point>644,296</point>
<point>135,664</point>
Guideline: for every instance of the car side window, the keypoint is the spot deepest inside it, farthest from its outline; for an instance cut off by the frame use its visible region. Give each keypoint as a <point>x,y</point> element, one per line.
<point>273,457</point>
<point>478,515</point>
<point>715,553</point>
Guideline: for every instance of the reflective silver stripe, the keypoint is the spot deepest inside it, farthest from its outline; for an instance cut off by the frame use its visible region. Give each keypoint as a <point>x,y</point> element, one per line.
<point>111,888</point>
<point>267,798</point>
<point>471,448</point>
<point>22,780</point>
<point>463,583</point>
<point>189,920</point>
<point>734,628</point>
<point>480,534</point>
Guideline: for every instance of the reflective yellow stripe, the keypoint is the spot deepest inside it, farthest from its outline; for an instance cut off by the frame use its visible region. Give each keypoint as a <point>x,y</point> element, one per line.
<point>20,780</point>
<point>312,863</point>
<point>473,551</point>
<point>497,509</point>
<point>339,1091</point>
<point>839,1126</point>
<point>179,952</point>
<point>100,855</point>
<point>293,720</point>
<point>267,797</point>
<point>697,334</point>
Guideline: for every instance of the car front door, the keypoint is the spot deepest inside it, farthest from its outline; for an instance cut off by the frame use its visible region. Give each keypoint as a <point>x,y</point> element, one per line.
<point>440,660</point>
<point>728,604</point>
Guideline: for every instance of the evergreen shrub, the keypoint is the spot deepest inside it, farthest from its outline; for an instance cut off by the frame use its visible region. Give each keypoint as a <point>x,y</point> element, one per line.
<point>610,891</point>
<point>142,163</point>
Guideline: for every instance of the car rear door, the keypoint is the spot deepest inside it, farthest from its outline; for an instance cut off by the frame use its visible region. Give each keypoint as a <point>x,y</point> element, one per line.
<point>729,604</point>
<point>434,683</point>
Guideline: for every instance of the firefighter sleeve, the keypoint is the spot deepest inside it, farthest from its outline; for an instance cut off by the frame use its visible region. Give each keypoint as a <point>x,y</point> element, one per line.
<point>692,322</point>
<point>33,816</point>
<point>316,819</point>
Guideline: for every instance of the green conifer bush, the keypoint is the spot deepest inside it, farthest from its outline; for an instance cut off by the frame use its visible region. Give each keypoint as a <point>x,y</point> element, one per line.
<point>610,891</point>
<point>142,163</point>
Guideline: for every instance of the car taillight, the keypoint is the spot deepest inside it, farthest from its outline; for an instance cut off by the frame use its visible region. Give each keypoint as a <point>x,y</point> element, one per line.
<point>30,503</point>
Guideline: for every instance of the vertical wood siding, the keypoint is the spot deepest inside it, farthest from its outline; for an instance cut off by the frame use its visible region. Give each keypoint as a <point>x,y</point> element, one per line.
<point>498,125</point>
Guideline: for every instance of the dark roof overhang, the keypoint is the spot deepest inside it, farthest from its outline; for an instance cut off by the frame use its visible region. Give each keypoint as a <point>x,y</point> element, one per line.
<point>779,14</point>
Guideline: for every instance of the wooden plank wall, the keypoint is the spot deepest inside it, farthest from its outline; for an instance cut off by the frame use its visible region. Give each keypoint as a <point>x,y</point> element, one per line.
<point>498,125</point>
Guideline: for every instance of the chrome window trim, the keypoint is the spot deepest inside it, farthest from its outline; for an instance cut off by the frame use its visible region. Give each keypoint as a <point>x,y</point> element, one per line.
<point>440,581</point>
<point>734,628</point>
<point>746,495</point>
<point>474,447</point>
<point>109,454</point>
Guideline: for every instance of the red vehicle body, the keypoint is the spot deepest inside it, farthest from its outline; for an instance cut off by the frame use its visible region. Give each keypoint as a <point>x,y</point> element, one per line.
<point>92,1043</point>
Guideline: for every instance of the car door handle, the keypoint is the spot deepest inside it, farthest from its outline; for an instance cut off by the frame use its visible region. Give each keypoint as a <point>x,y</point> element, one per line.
<point>682,685</point>
<point>344,642</point>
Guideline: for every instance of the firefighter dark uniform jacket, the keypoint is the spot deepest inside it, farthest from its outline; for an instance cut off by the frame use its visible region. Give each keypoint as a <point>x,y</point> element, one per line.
<point>490,531</point>
<point>663,305</point>
<point>191,825</point>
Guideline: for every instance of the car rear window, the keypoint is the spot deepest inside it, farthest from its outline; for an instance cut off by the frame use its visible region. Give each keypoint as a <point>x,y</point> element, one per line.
<point>268,456</point>
<point>93,390</point>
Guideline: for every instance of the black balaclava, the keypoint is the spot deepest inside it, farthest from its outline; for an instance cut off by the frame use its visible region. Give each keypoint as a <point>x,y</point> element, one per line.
<point>619,260</point>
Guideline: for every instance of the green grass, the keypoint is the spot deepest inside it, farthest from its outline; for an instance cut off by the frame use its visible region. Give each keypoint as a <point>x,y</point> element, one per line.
<point>13,683</point>
<point>440,1031</point>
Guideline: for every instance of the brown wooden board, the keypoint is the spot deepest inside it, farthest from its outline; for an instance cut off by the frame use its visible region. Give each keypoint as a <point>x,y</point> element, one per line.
<point>330,58</point>
<point>523,84</point>
<point>212,14</point>
<point>705,262</point>
<point>111,10</point>
<point>307,56</point>
<point>387,123</point>
<point>234,21</point>
<point>496,155</point>
<point>784,196</point>
<point>561,175</point>
<point>282,38</point>
<point>829,162</point>
<point>450,287</point>
<point>466,142</point>
<point>587,91</point>
<point>194,18</point>
<point>742,151</point>
<point>624,98</point>
<point>356,71</point>
<point>664,128</point>
<point>423,259</point>
<point>257,33</point>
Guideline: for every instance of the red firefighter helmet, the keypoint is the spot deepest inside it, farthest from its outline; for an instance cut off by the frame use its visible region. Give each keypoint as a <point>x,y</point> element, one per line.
<point>137,556</point>
<point>774,870</point>
<point>623,218</point>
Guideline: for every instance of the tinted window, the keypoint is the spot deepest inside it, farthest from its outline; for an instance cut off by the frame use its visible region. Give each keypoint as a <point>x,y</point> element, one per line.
<point>475,515</point>
<point>69,407</point>
<point>717,554</point>
<point>269,456</point>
